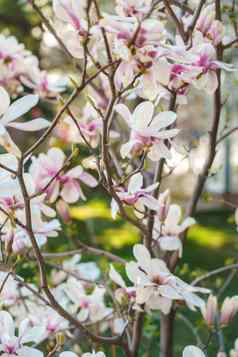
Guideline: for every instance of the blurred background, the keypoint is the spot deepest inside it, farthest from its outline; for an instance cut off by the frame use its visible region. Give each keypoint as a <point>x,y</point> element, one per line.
<point>213,241</point>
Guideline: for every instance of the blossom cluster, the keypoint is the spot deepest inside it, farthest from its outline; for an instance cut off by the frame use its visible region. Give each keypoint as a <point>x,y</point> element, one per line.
<point>117,133</point>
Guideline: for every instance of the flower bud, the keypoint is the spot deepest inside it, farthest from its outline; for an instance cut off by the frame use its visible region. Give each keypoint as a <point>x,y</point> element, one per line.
<point>63,210</point>
<point>221,354</point>
<point>209,311</point>
<point>228,310</point>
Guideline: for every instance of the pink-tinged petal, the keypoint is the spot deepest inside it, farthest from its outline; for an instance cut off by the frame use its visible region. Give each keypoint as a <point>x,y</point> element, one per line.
<point>54,191</point>
<point>160,303</point>
<point>57,156</point>
<point>150,87</point>
<point>32,125</point>
<point>114,208</point>
<point>75,172</point>
<point>173,216</point>
<point>143,294</point>
<point>116,277</point>
<point>88,179</point>
<point>167,134</point>
<point>9,145</point>
<point>123,110</point>
<point>126,149</point>
<point>83,314</point>
<point>4,101</point>
<point>149,202</point>
<point>20,107</point>
<point>193,351</point>
<point>163,119</point>
<point>135,183</point>
<point>7,323</point>
<point>141,254</point>
<point>71,192</point>
<point>158,151</point>
<point>142,115</point>
<point>169,292</point>
<point>163,70</point>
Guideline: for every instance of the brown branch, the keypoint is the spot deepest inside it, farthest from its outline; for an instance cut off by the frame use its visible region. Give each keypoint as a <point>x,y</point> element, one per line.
<point>73,96</point>
<point>195,17</point>
<point>43,276</point>
<point>214,272</point>
<point>228,133</point>
<point>230,44</point>
<point>178,23</point>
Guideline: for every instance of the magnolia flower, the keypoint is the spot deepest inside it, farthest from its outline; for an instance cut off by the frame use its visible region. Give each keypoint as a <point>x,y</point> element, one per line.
<point>91,307</point>
<point>155,286</point>
<point>14,63</point>
<point>148,132</point>
<point>168,225</point>
<point>47,171</point>
<point>211,29</point>
<point>11,291</point>
<point>74,30</point>
<point>133,7</point>
<point>10,112</point>
<point>15,236</point>
<point>12,345</point>
<point>48,320</point>
<point>136,196</point>
<point>193,351</point>
<point>44,84</point>
<point>86,271</point>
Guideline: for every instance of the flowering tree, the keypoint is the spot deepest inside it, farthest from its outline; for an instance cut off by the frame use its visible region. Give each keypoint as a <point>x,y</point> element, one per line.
<point>134,69</point>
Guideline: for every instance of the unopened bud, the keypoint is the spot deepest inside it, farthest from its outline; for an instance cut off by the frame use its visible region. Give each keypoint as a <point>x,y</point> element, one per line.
<point>228,310</point>
<point>63,210</point>
<point>209,311</point>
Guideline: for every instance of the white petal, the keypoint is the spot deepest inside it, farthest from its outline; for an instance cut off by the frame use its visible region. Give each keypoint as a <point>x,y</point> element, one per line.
<point>142,115</point>
<point>75,172</point>
<point>20,107</point>
<point>29,352</point>
<point>7,323</point>
<point>116,277</point>
<point>114,208</point>
<point>57,156</point>
<point>124,112</point>
<point>4,101</point>
<point>166,134</point>
<point>32,125</point>
<point>141,253</point>
<point>135,183</point>
<point>164,119</point>
<point>193,351</point>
